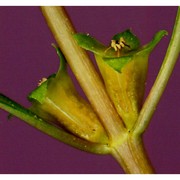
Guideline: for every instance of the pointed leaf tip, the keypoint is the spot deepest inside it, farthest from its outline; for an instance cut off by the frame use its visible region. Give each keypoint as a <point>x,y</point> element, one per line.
<point>89,43</point>
<point>152,44</point>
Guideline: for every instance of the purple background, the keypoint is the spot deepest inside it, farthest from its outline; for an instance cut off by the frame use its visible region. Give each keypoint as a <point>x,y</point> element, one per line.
<point>26,56</point>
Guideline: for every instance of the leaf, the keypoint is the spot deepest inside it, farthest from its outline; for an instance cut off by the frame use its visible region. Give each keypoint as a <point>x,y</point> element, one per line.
<point>146,49</point>
<point>91,44</point>
<point>117,63</point>
<point>40,92</point>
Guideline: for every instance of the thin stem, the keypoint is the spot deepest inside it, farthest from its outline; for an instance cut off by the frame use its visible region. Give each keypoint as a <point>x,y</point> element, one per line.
<point>49,129</point>
<point>83,69</point>
<point>161,80</point>
<point>132,156</point>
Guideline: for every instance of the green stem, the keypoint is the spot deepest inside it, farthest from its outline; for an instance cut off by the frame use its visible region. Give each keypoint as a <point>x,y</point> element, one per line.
<point>49,129</point>
<point>132,156</point>
<point>161,80</point>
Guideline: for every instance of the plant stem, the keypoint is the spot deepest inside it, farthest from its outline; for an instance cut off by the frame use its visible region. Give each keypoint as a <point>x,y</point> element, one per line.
<point>132,156</point>
<point>83,69</point>
<point>125,146</point>
<point>127,151</point>
<point>161,80</point>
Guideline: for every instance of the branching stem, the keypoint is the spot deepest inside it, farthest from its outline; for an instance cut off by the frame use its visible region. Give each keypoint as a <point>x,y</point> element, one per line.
<point>125,146</point>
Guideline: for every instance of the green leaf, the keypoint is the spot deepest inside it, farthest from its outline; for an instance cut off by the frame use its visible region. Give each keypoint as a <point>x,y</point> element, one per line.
<point>117,63</point>
<point>146,49</point>
<point>40,92</point>
<point>61,58</point>
<point>91,44</point>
